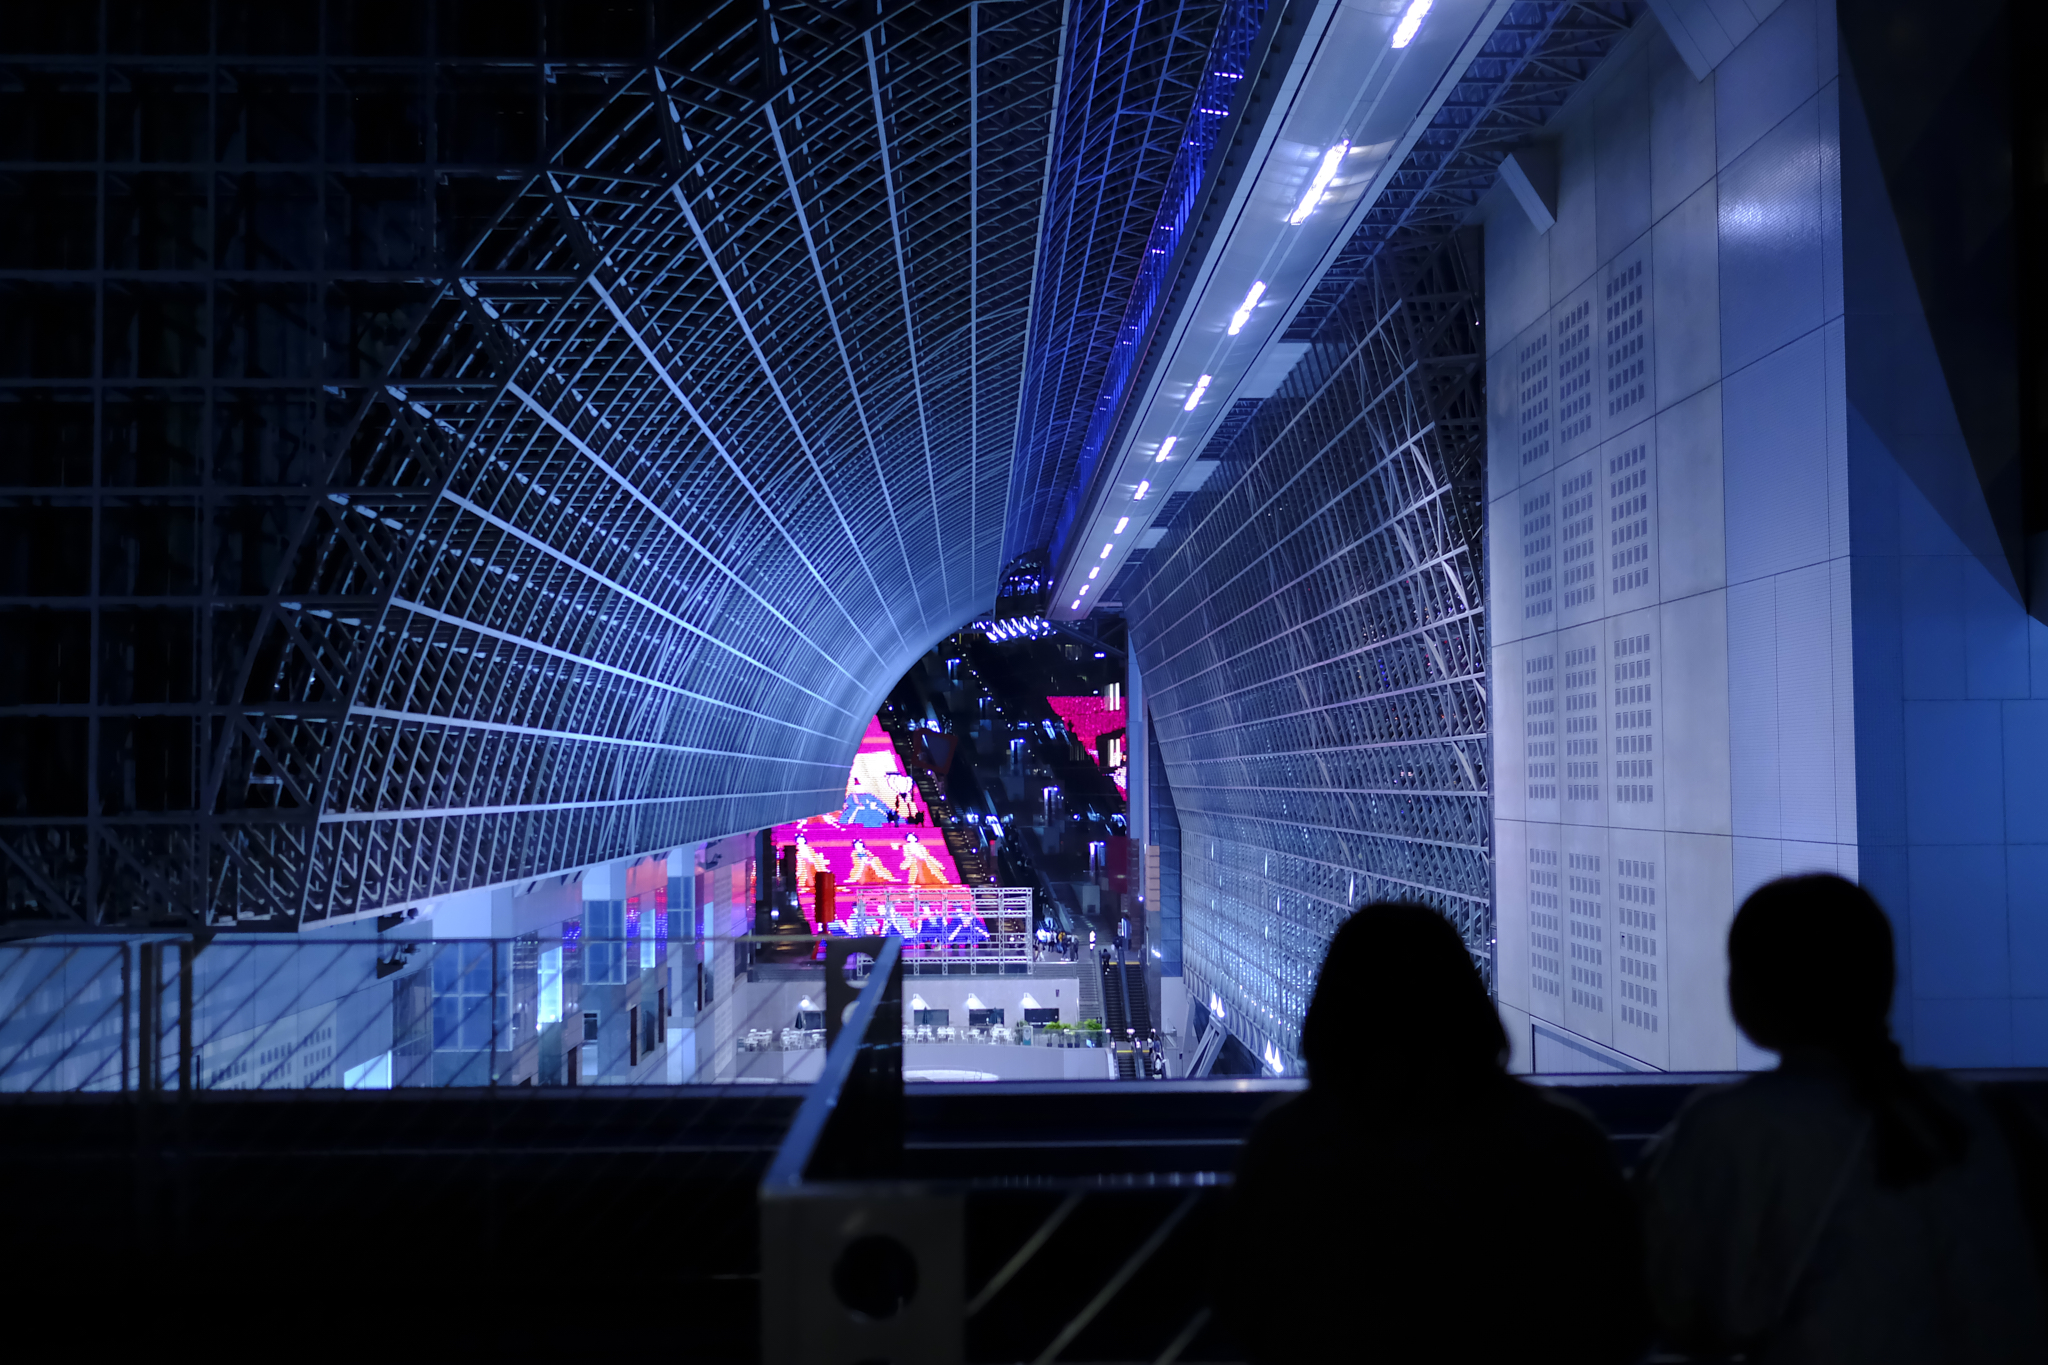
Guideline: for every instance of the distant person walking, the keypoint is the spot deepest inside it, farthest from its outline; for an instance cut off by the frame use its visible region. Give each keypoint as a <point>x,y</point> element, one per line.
<point>1417,1203</point>
<point>1841,1208</point>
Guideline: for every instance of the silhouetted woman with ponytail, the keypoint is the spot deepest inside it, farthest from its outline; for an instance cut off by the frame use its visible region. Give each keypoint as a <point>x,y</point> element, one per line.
<point>1842,1207</point>
<point>1418,1205</point>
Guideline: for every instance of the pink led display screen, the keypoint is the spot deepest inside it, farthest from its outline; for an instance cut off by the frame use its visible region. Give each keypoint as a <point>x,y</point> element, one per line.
<point>1089,718</point>
<point>895,875</point>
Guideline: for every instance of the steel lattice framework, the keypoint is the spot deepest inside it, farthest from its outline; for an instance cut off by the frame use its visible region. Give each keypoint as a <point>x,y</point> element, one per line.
<point>581,504</point>
<point>1530,65</point>
<point>1314,648</point>
<point>1312,630</point>
<point>1134,144</point>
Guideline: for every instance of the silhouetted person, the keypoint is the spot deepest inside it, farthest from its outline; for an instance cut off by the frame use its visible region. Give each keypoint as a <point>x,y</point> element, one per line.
<point>1842,1207</point>
<point>1417,1203</point>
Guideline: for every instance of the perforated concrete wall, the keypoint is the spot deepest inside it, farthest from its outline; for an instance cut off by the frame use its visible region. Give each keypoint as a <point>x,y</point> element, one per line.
<point>1668,542</point>
<point>1752,615</point>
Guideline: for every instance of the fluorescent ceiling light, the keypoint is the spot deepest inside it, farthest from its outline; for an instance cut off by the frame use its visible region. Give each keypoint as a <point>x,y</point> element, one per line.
<point>1084,590</point>
<point>1106,549</point>
<point>1201,387</point>
<point>1404,32</point>
<point>1094,571</point>
<point>1326,172</point>
<point>1076,603</point>
<point>1121,522</point>
<point>1165,449</point>
<point>1144,487</point>
<point>1244,310</point>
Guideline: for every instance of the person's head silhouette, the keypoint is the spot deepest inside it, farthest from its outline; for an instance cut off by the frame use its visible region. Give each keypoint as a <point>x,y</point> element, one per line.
<point>1398,1002</point>
<point>1810,965</point>
<point>1810,974</point>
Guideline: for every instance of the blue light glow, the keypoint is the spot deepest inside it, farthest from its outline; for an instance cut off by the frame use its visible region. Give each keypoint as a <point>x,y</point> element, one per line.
<point>1325,173</point>
<point>550,986</point>
<point>1404,33</point>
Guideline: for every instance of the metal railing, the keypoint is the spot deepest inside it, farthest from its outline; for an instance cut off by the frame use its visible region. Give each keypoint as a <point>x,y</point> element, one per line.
<point>862,1261</point>
<point>189,1013</point>
<point>973,924</point>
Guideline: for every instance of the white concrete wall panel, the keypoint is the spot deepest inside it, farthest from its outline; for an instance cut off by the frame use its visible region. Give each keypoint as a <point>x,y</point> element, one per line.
<point>1573,243</point>
<point>1806,659</point>
<point>1581,540</point>
<point>1511,913</point>
<point>1671,636</point>
<point>1511,747</point>
<point>1577,374</point>
<point>1685,290</point>
<point>1549,944</point>
<point>1589,935</point>
<point>1621,136</point>
<point>1639,898</point>
<point>1631,523</point>
<point>1517,278</point>
<point>1775,453</point>
<point>1773,256</point>
<point>1699,874</point>
<point>1753,709</point>
<point>1772,73</point>
<point>1696,725</point>
<point>1692,542</point>
<point>1681,132</point>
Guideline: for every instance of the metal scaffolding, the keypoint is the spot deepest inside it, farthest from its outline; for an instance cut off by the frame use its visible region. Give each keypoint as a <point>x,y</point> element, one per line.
<point>1313,647</point>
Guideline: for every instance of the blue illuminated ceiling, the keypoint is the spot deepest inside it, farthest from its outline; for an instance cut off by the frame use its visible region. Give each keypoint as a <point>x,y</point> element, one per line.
<point>1134,145</point>
<point>523,444</point>
<point>561,509</point>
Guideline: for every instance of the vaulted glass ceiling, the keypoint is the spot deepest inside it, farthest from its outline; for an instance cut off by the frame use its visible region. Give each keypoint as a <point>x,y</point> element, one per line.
<point>582,416</point>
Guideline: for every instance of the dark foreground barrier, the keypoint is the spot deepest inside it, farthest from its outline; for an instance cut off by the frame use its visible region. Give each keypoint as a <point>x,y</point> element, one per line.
<point>1012,1222</point>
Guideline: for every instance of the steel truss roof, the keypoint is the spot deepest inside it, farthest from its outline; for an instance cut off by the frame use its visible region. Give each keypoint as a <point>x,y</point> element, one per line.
<point>667,479</point>
<point>1312,627</point>
<point>1134,143</point>
<point>1541,53</point>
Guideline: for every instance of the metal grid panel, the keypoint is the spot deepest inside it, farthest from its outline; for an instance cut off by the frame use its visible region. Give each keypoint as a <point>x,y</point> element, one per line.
<point>1133,145</point>
<point>1531,64</point>
<point>1312,634</point>
<point>406,512</point>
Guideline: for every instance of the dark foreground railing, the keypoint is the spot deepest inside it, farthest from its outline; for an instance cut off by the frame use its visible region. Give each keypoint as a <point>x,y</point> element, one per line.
<point>851,1220</point>
<point>1069,1223</point>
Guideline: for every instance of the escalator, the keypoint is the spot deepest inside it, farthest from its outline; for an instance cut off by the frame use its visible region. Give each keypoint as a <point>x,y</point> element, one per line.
<point>1117,1016</point>
<point>1137,1002</point>
<point>963,846</point>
